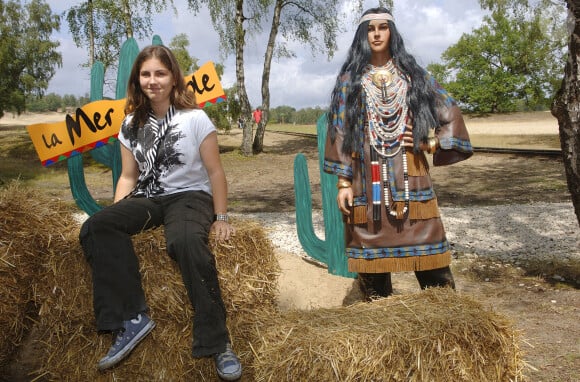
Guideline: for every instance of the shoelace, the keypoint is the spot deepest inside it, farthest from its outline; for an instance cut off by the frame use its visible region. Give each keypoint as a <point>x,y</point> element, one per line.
<point>121,332</point>
<point>117,340</point>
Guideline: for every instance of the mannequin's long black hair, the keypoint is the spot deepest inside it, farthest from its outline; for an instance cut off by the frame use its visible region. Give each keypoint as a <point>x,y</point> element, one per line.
<point>422,97</point>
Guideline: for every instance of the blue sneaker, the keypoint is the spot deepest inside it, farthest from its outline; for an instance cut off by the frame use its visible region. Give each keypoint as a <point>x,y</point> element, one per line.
<point>228,365</point>
<point>127,338</point>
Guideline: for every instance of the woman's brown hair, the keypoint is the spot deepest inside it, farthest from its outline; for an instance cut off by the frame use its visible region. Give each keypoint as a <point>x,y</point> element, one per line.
<point>138,103</point>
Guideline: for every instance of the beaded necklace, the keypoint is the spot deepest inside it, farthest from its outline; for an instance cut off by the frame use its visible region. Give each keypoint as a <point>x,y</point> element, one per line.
<point>386,107</point>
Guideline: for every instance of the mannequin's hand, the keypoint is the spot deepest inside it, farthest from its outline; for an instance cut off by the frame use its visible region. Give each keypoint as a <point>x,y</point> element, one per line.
<point>345,200</point>
<point>408,141</point>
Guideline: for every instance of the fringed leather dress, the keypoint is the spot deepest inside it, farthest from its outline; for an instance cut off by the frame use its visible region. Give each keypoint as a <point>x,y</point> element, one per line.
<point>395,223</point>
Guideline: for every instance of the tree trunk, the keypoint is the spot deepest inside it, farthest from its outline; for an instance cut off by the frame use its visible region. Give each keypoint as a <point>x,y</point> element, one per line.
<point>91,20</point>
<point>127,19</point>
<point>246,109</point>
<point>258,146</point>
<point>566,108</point>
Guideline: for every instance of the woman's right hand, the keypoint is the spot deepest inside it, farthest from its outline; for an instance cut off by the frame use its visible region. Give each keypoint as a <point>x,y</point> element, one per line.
<point>345,200</point>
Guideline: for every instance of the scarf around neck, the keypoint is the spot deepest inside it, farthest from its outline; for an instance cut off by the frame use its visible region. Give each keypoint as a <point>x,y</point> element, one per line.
<point>147,184</point>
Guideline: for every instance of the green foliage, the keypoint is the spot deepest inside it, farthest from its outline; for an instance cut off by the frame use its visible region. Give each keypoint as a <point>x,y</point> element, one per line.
<point>28,57</point>
<point>313,22</point>
<point>178,46</point>
<point>223,15</point>
<point>282,114</point>
<point>308,115</point>
<point>103,25</point>
<point>233,106</point>
<point>511,62</point>
<point>219,115</point>
<point>289,115</point>
<point>54,102</point>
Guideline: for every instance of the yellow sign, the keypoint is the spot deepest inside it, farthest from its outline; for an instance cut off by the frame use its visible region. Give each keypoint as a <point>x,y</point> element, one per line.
<point>98,123</point>
<point>205,83</point>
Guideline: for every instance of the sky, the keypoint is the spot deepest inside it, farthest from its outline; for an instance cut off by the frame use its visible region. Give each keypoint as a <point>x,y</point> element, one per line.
<point>428,28</point>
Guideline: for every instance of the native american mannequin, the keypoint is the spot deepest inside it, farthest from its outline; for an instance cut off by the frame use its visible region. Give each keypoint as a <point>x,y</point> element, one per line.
<point>382,111</point>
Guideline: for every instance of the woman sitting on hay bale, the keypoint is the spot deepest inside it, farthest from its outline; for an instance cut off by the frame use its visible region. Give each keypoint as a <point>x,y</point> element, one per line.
<point>172,176</point>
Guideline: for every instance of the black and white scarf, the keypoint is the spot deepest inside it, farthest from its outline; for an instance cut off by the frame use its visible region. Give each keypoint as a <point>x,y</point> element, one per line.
<point>147,184</point>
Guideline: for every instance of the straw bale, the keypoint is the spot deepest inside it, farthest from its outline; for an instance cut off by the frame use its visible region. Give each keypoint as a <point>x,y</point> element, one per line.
<point>247,269</point>
<point>430,336</point>
<point>30,228</point>
<point>434,335</point>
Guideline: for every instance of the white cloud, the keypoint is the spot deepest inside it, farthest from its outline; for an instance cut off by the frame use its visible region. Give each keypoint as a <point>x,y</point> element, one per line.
<point>428,27</point>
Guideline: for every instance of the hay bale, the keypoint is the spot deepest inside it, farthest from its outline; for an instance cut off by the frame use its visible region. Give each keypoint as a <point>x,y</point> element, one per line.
<point>434,335</point>
<point>30,229</point>
<point>247,269</point>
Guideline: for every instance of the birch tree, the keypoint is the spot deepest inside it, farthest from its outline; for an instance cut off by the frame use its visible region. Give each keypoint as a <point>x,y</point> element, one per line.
<point>103,25</point>
<point>312,22</point>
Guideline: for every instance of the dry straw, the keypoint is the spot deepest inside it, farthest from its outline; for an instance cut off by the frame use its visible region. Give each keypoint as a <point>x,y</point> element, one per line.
<point>31,229</point>
<point>435,335</point>
<point>247,271</point>
<point>430,336</point>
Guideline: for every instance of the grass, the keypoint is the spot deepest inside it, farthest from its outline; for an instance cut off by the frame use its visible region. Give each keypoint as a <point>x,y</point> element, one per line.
<point>302,129</point>
<point>19,161</point>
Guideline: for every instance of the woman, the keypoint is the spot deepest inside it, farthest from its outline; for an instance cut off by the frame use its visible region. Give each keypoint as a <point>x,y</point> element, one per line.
<point>382,109</point>
<point>171,175</point>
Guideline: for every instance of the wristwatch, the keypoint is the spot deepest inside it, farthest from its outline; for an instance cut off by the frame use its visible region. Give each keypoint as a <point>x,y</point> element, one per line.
<point>221,217</point>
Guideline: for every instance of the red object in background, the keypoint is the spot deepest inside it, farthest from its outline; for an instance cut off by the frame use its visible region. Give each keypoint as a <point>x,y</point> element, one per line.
<point>257,114</point>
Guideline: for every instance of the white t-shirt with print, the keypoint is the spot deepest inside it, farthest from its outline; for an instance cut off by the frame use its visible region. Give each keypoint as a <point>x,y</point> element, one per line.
<point>178,157</point>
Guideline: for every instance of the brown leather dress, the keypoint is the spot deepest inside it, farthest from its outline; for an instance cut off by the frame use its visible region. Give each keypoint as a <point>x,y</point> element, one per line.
<point>414,241</point>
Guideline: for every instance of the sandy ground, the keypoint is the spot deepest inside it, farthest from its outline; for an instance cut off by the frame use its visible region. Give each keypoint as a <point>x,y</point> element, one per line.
<point>542,123</point>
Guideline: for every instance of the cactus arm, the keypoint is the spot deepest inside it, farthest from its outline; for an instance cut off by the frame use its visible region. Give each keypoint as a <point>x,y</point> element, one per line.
<point>76,172</point>
<point>156,40</point>
<point>331,250</point>
<point>110,154</point>
<point>129,52</point>
<point>333,219</point>
<point>314,247</point>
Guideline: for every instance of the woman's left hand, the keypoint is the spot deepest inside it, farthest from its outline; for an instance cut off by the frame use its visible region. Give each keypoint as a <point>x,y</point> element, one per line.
<point>223,230</point>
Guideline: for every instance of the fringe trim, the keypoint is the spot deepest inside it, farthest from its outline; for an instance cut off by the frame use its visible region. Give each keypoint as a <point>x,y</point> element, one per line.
<point>358,215</point>
<point>417,164</point>
<point>423,210</point>
<point>400,264</point>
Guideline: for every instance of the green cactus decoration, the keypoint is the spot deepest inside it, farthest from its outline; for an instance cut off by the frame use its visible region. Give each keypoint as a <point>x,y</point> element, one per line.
<point>109,154</point>
<point>330,250</point>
